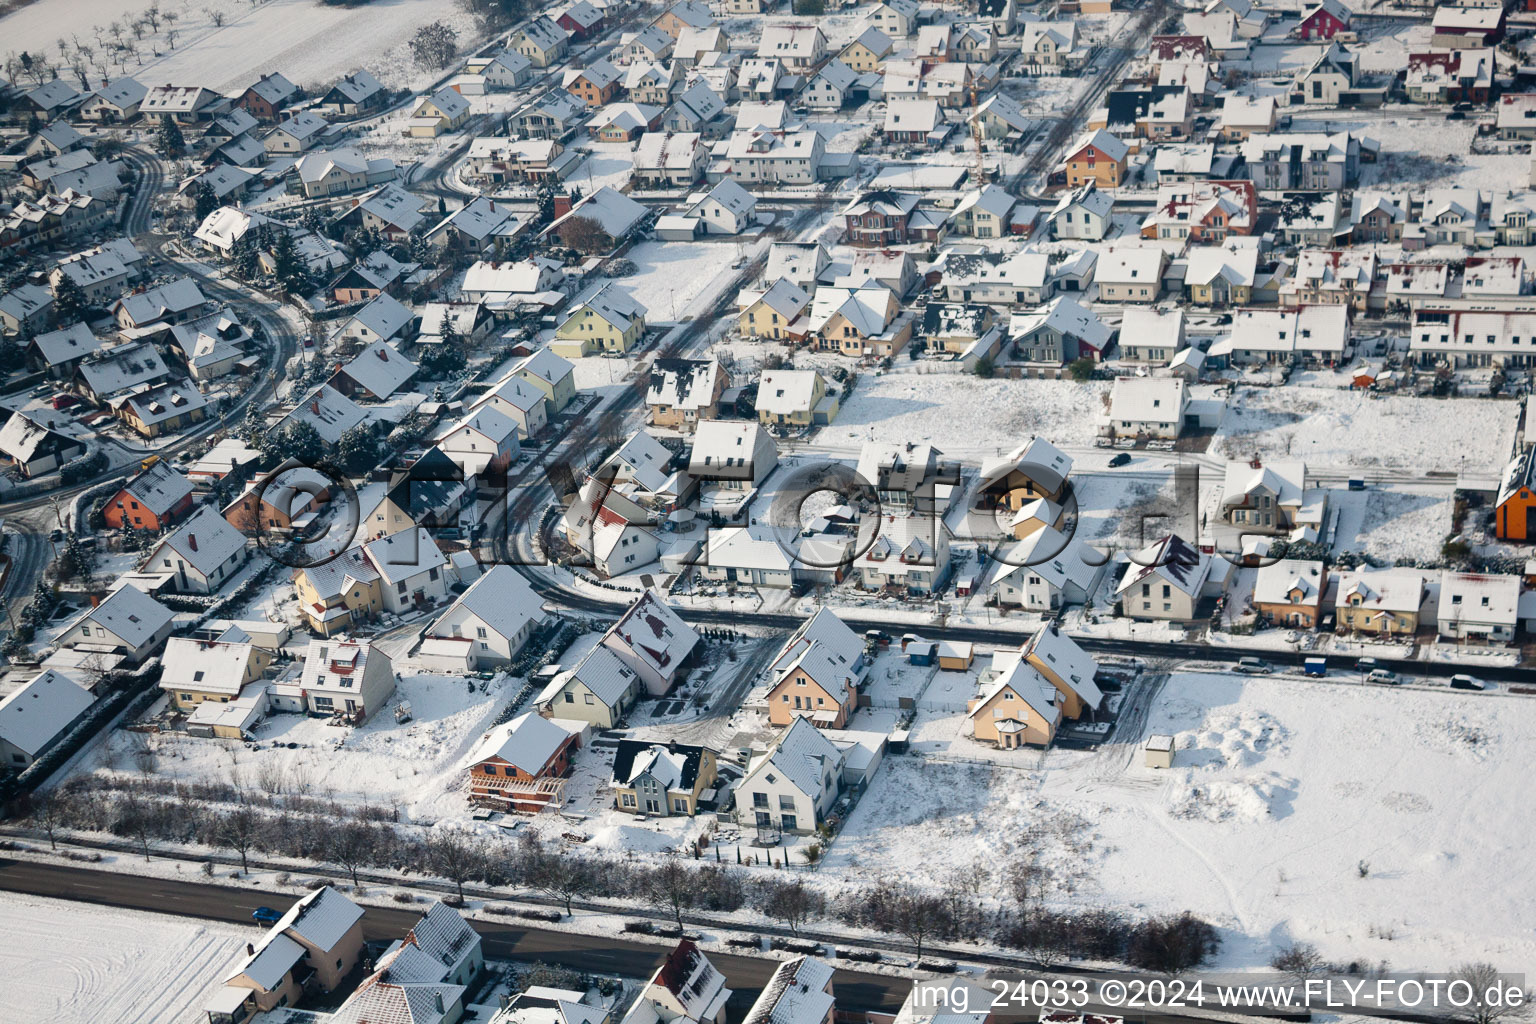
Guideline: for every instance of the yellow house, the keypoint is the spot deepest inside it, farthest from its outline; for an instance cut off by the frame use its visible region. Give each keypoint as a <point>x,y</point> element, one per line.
<point>606,320</point>
<point>1385,603</point>
<point>776,313</point>
<point>442,112</point>
<point>662,779</point>
<point>336,595</point>
<point>860,321</point>
<point>1017,709</point>
<point>599,690</point>
<point>312,947</point>
<point>195,671</point>
<point>552,375</point>
<point>795,398</point>
<point>868,52</point>
<point>816,685</point>
<point>1066,666</point>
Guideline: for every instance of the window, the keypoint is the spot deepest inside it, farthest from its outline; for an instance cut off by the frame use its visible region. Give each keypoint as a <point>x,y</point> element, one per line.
<point>570,698</point>
<point>759,799</point>
<point>489,769</point>
<point>588,698</point>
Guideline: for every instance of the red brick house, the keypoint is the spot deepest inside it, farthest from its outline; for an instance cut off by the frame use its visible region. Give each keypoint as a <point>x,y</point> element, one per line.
<point>522,765</point>
<point>267,99</point>
<point>153,500</point>
<point>879,219</point>
<point>1323,21</point>
<point>582,20</point>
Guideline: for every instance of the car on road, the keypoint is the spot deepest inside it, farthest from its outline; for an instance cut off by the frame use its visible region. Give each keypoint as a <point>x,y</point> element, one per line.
<point>1367,664</point>
<point>1383,676</point>
<point>265,915</point>
<point>1119,460</point>
<point>1465,682</point>
<point>1253,666</point>
<point>1456,115</point>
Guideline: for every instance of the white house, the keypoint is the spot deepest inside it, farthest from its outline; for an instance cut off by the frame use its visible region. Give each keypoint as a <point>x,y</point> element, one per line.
<point>1148,407</point>
<point>346,677</point>
<point>491,621</point>
<point>1166,580</point>
<point>1048,570</point>
<point>127,622</point>
<point>413,570</point>
<point>1478,608</point>
<point>35,716</point>
<point>201,554</point>
<point>653,641</point>
<point>793,786</point>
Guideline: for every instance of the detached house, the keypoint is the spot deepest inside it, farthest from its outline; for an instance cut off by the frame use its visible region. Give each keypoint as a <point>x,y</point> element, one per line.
<point>605,318</point>
<point>792,787</point>
<point>444,111</point>
<point>1382,603</point>
<point>352,679</point>
<point>816,674</point>
<point>488,624</point>
<point>127,622</point>
<point>521,765</point>
<point>681,392</point>
<point>1289,592</point>
<point>662,779</point>
<point>1165,580</point>
<point>152,500</point>
<point>600,689</point>
<point>314,945</point>
<point>1097,157</point>
<point>654,642</point>
<point>201,555</point>
<point>1478,608</point>
<point>541,41</point>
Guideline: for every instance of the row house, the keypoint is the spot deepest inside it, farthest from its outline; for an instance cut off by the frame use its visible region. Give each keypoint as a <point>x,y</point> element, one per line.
<point>1332,277</point>
<point>774,157</point>
<point>1317,335</point>
<point>1474,338</point>
<point>1222,275</point>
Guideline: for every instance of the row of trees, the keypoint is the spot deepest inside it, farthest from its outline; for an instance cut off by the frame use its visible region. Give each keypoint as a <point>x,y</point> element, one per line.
<point>273,820</point>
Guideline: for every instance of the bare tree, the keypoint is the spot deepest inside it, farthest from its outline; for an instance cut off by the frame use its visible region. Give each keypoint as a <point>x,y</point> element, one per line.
<point>352,845</point>
<point>134,819</point>
<point>561,875</point>
<point>144,754</point>
<point>1300,960</point>
<point>240,830</point>
<point>47,817</point>
<point>217,17</point>
<point>918,915</point>
<point>270,776</point>
<point>671,886</point>
<point>455,856</point>
<point>791,902</point>
<point>585,235</point>
<point>1490,998</point>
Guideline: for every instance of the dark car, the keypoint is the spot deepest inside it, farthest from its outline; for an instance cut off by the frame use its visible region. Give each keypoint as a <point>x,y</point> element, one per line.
<point>1456,115</point>
<point>1119,460</point>
<point>265,915</point>
<point>1460,682</point>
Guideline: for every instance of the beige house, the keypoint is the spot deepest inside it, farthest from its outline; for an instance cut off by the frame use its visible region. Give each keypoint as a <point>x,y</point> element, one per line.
<point>337,594</point>
<point>1017,708</point>
<point>795,398</point>
<point>1382,603</point>
<point>1165,580</point>
<point>662,779</point>
<point>1289,591</point>
<point>1067,667</point>
<point>777,313</point>
<point>600,690</point>
<point>312,947</point>
<point>682,392</point>
<point>195,671</point>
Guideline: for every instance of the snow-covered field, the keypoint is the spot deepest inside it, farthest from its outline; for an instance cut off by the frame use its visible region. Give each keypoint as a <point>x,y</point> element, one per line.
<point>414,766</point>
<point>670,275</point>
<point>72,962</point>
<point>965,415</point>
<point>1367,821</point>
<point>1330,428</point>
<point>310,43</point>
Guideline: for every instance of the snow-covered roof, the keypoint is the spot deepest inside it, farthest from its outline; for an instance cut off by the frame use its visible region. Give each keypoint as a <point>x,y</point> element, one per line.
<point>1172,560</point>
<point>128,614</point>
<point>329,411</point>
<point>399,556</point>
<point>528,743</point>
<point>173,298</point>
<point>501,599</point>
<point>117,369</point>
<point>612,303</point>
<point>1065,316</point>
<point>746,547</point>
<point>34,714</point>
<point>204,541</point>
<point>1054,557</point>
<point>1101,140</point>
<point>787,391</point>
<point>206,666</point>
<point>684,383</point>
<point>1385,590</point>
<point>655,633</point>
<point>159,488</point>
<point>797,993</point>
<point>67,344</point>
<point>1479,598</point>
<point>380,368</point>
<point>603,673</point>
<point>803,756</point>
<point>1276,581</point>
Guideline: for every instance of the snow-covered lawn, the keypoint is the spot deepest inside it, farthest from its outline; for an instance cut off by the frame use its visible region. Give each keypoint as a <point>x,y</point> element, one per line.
<point>669,276</point>
<point>415,765</point>
<point>1333,429</point>
<point>1366,821</point>
<point>309,43</point>
<point>68,962</point>
<point>965,415</point>
<point>1393,522</point>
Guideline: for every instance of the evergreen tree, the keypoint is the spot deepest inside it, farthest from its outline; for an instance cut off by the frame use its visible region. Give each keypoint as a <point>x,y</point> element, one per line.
<point>206,202</point>
<point>69,301</point>
<point>172,145</point>
<point>287,266</point>
<point>298,441</point>
<point>245,257</point>
<point>357,450</point>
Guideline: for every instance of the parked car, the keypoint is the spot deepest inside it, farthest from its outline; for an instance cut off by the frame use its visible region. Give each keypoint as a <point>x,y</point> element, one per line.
<point>1253,666</point>
<point>1366,664</point>
<point>1119,460</point>
<point>265,915</point>
<point>1465,682</point>
<point>1383,676</point>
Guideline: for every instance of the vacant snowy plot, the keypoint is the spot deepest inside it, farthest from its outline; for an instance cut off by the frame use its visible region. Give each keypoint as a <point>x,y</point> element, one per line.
<point>1366,821</point>
<point>1393,522</point>
<point>414,766</point>
<point>65,962</point>
<point>309,43</point>
<point>1339,430</point>
<point>965,415</point>
<point>669,276</point>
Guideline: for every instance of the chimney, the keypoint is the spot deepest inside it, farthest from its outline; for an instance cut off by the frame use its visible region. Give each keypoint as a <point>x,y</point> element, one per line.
<point>250,950</point>
<point>562,205</point>
<point>192,541</point>
<point>437,1001</point>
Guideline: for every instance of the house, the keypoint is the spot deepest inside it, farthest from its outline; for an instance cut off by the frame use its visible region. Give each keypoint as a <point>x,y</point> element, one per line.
<point>315,945</point>
<point>513,399</point>
<point>1381,603</point>
<point>1478,608</point>
<point>211,346</point>
<point>1131,273</point>
<point>163,408</point>
<point>582,20</point>
<point>153,500</point>
<point>351,679</point>
<point>1017,707</point>
<point>1312,160</point>
<point>653,641</point>
<point>479,226</point>
<point>748,556</point>
<point>984,213</point>
<point>551,374</point>
<point>329,411</point>
<point>595,85</point>
<point>1000,118</point>
<point>880,219</point>
<point>670,160</point>
<point>1061,332</point>
<point>795,398</point>
<point>127,622</point>
<point>548,117</point>
<point>816,674</point>
<point>662,779</point>
<point>209,671</point>
<point>1203,211</point>
<point>1023,277</point>
<point>600,689</point>
<point>412,570</point>
<point>910,555</point>
<point>896,18</point>
<point>1264,498</point>
<point>799,992</point>
<point>727,209</point>
<point>390,210</point>
<point>296,134</point>
<point>37,715</point>
<point>336,594</point>
<point>774,156</point>
<point>1467,27</point>
<point>1035,469</point>
<point>732,455</point>
<point>1047,571</point>
<point>604,318</point>
<point>776,313</point>
<point>1082,213</point>
<point>1097,157</point>
<point>541,41</point>
<point>115,102</point>
<point>30,442</point>
<point>27,307</point>
<point>489,623</point>
<point>800,263</point>
<point>800,47</point>
<point>444,111</point>
<point>862,321</point>
<point>1165,580</point>
<point>521,765</point>
<point>501,72</point>
<point>289,493</point>
<point>200,555</point>
<point>423,978</point>
<point>696,43</point>
<point>917,122</point>
<point>1222,275</point>
<point>1151,336</point>
<point>266,98</point>
<point>1049,44</point>
<point>353,95</point>
<point>686,989</point>
<point>1451,76</point>
<point>792,787</point>
<point>1289,592</point>
<point>59,353</point>
<point>1329,77</point>
<point>963,329</point>
<point>686,14</point>
<point>683,391</point>
<point>1323,20</point>
<point>1331,277</point>
<point>1148,407</point>
<point>1377,217</point>
<point>602,219</point>
<point>341,171</point>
